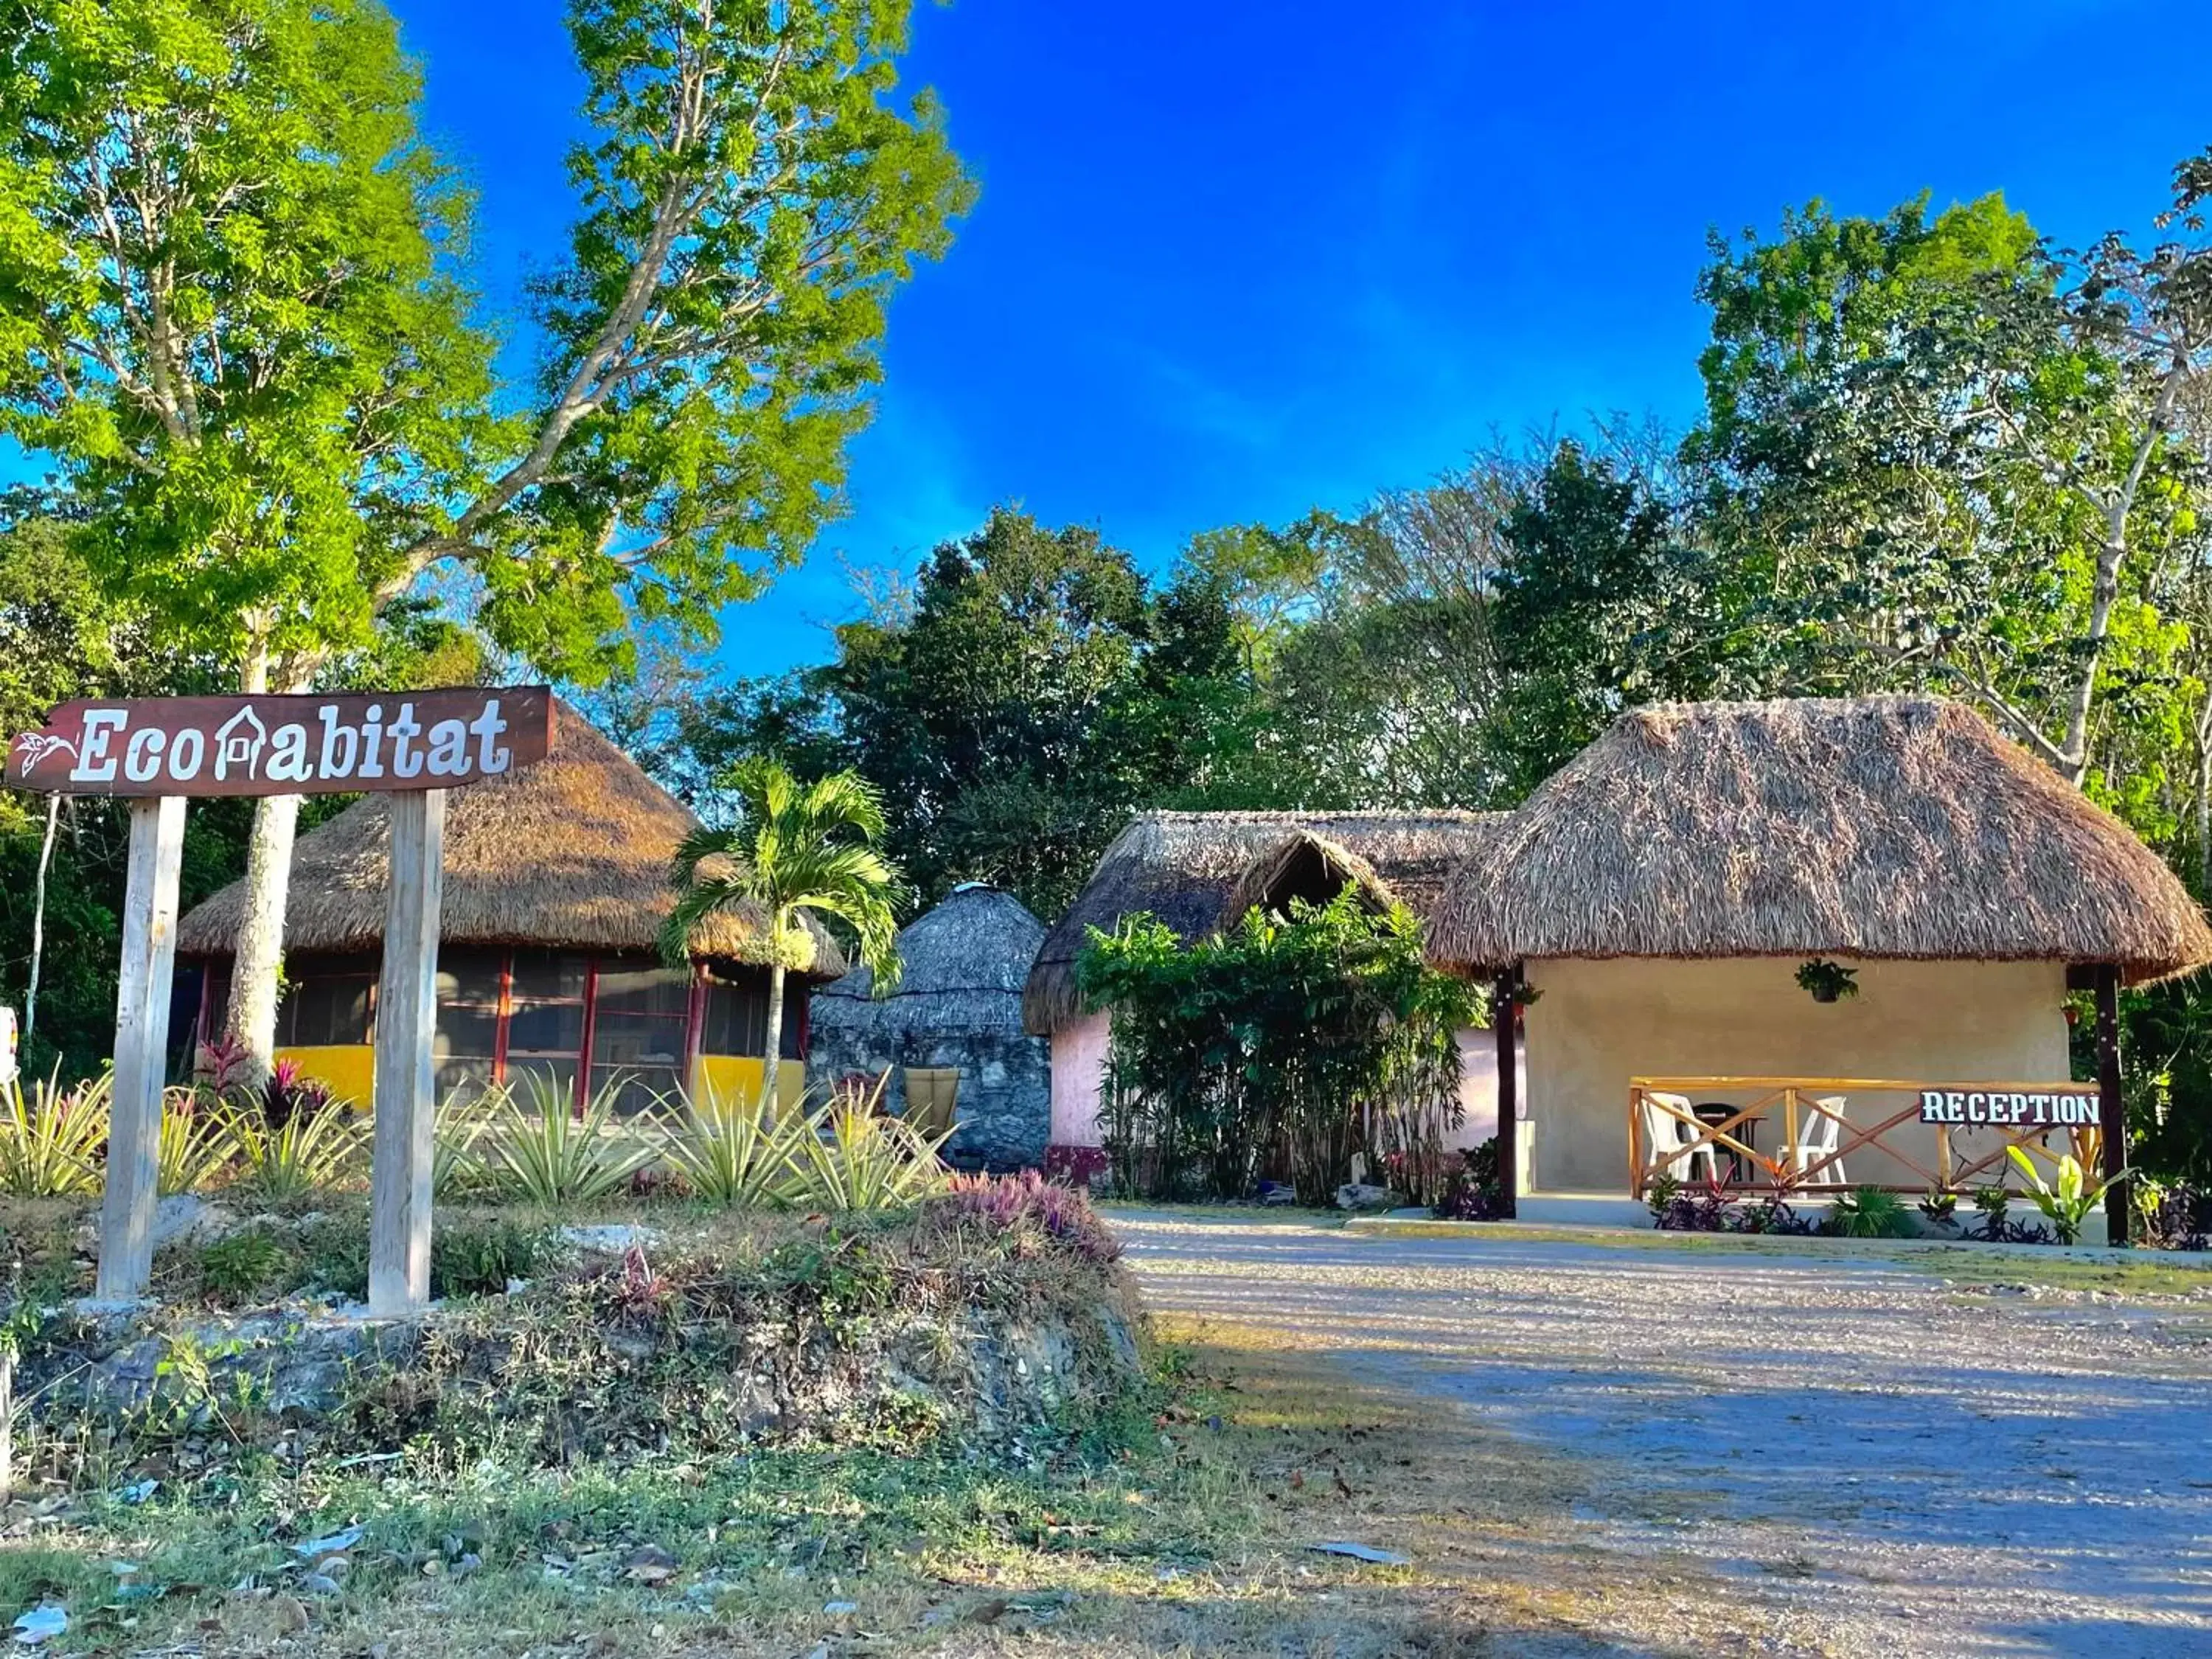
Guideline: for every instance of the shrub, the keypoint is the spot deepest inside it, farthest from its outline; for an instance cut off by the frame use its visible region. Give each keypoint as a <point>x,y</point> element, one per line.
<point>286,1165</point>
<point>1016,1204</point>
<point>52,1141</point>
<point>541,1153</point>
<point>1472,1192</point>
<point>248,1265</point>
<point>469,1255</point>
<point>850,1157</point>
<point>1870,1212</point>
<point>736,1154</point>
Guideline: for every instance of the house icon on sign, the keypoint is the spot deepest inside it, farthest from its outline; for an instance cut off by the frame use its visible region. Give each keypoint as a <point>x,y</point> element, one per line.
<point>238,742</point>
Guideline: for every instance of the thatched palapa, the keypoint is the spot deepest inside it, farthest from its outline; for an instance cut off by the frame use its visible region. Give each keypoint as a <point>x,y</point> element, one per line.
<point>572,852</point>
<point>1895,826</point>
<point>1198,872</point>
<point>957,1010</point>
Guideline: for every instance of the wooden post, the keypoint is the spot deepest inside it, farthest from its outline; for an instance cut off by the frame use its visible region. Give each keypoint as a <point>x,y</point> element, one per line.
<point>2111,1118</point>
<point>142,1047</point>
<point>406,1076</point>
<point>1505,1015</point>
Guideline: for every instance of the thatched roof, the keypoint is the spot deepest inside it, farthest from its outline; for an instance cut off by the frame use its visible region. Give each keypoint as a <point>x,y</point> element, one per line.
<point>1880,827</point>
<point>962,965</point>
<point>1190,870</point>
<point>571,851</point>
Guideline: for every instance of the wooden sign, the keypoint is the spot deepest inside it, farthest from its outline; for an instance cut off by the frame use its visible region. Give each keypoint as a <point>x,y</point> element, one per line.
<point>285,745</point>
<point>2008,1107</point>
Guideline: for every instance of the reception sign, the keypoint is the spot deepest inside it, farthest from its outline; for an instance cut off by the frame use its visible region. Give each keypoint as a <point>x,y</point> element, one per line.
<point>2008,1108</point>
<point>283,744</point>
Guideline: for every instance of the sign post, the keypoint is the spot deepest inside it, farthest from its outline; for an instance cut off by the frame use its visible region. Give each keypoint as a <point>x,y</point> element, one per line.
<point>413,746</point>
<point>142,1047</point>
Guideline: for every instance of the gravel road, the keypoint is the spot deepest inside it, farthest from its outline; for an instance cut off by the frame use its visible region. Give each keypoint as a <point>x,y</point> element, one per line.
<point>1897,1462</point>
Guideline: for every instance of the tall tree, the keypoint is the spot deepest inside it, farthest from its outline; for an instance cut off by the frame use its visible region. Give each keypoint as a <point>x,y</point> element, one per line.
<point>796,850</point>
<point>234,326</point>
<point>1954,443</point>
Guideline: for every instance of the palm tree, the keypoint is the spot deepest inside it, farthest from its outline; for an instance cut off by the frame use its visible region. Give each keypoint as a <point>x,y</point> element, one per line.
<point>795,848</point>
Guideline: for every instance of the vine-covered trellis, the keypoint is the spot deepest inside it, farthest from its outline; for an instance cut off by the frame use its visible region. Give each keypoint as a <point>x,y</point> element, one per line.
<point>1279,1048</point>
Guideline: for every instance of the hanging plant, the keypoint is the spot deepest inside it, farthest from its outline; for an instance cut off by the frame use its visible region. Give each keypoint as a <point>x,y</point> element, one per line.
<point>1828,981</point>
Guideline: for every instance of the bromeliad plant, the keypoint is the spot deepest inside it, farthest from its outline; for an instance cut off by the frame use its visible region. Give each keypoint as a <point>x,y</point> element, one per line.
<point>543,1153</point>
<point>51,1140</point>
<point>852,1157</point>
<point>2066,1204</point>
<point>285,1165</point>
<point>737,1154</point>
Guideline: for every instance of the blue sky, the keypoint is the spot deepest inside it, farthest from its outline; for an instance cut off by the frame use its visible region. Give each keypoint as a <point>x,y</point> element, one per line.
<point>1235,258</point>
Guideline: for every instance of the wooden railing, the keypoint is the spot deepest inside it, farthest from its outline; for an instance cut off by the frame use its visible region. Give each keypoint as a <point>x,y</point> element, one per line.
<point>1816,1147</point>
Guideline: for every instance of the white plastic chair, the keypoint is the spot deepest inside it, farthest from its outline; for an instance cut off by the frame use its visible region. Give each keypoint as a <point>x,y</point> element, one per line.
<point>1662,1131</point>
<point>1817,1135</point>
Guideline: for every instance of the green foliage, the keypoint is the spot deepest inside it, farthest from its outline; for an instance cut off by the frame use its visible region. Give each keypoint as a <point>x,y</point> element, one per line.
<point>1827,982</point>
<point>287,1165</point>
<point>247,1266</point>
<point>2069,1202</point>
<point>543,1153</point>
<point>850,1157</point>
<point>471,1256</point>
<point>1871,1213</point>
<point>198,1141</point>
<point>1306,1037</point>
<point>736,1154</point>
<point>51,1140</point>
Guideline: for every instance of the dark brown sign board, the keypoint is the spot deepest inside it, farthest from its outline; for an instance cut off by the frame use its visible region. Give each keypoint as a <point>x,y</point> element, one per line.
<point>285,744</point>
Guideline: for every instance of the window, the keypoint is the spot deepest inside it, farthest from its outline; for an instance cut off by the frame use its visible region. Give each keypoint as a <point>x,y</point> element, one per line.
<point>466,1048</point>
<point>640,1018</point>
<point>737,1019</point>
<point>545,1022</point>
<point>326,1001</point>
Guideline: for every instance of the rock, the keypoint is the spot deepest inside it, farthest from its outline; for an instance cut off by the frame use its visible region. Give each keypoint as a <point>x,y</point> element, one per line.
<point>188,1219</point>
<point>612,1239</point>
<point>839,1609</point>
<point>1359,1196</point>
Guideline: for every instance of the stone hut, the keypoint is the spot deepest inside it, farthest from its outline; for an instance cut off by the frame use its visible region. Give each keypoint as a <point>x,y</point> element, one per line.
<point>950,1035</point>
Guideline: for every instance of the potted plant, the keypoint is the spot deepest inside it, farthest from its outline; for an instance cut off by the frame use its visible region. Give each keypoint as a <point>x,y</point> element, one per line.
<point>1827,981</point>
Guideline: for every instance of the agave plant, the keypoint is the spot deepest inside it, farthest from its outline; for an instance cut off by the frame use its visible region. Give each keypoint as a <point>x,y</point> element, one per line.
<point>455,1164</point>
<point>737,1155</point>
<point>2066,1205</point>
<point>850,1157</point>
<point>542,1153</point>
<point>50,1142</point>
<point>289,1163</point>
<point>197,1141</point>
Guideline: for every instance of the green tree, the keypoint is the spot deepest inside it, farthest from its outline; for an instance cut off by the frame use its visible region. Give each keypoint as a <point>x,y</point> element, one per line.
<point>1954,448</point>
<point>233,324</point>
<point>797,850</point>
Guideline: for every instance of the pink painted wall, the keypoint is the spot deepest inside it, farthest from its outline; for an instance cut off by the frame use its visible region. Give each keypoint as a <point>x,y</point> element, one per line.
<point>1478,1085</point>
<point>1078,1070</point>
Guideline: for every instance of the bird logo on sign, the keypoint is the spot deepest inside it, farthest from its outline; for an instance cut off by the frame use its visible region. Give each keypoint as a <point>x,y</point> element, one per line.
<point>36,746</point>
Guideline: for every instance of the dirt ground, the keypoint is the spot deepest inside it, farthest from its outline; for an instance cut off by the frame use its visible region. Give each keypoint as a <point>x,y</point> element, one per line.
<point>1732,1451</point>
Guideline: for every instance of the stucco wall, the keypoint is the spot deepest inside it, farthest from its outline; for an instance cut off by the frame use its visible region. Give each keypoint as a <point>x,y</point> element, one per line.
<point>1598,1024</point>
<point>1078,1070</point>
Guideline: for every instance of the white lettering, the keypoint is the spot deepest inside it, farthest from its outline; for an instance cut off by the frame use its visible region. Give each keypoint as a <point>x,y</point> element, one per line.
<point>488,726</point>
<point>287,756</point>
<point>94,763</point>
<point>1932,1106</point>
<point>141,755</point>
<point>1977,1108</point>
<point>188,742</point>
<point>341,745</point>
<point>449,748</point>
<point>372,734</point>
<point>405,762</point>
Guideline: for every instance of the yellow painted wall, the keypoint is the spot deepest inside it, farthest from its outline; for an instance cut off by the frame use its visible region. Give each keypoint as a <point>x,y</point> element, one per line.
<point>347,1070</point>
<point>1598,1023</point>
<point>722,1079</point>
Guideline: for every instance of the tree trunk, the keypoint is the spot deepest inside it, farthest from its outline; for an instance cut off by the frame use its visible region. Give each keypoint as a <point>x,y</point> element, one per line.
<point>251,1020</point>
<point>2205,799</point>
<point>769,1066</point>
<point>39,916</point>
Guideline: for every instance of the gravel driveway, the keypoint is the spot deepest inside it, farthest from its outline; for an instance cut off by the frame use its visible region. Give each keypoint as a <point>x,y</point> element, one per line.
<point>1896,1464</point>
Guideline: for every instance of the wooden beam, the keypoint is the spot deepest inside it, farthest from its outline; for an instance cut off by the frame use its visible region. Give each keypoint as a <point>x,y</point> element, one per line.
<point>1504,1016</point>
<point>2112,1114</point>
<point>406,1074</point>
<point>142,1047</point>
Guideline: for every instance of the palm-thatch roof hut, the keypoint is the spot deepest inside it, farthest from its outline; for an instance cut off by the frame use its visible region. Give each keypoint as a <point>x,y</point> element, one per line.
<point>1199,871</point>
<point>1894,828</point>
<point>555,889</point>
<point>950,1035</point>
<point>1756,908</point>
